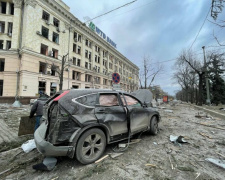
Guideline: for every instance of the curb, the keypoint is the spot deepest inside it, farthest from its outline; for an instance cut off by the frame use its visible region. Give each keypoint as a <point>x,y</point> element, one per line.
<point>214,113</point>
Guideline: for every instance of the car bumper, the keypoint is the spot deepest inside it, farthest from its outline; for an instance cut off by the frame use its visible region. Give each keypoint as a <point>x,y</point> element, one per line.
<point>45,147</point>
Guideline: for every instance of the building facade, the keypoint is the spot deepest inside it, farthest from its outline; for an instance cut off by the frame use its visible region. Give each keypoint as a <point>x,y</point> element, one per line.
<point>35,35</point>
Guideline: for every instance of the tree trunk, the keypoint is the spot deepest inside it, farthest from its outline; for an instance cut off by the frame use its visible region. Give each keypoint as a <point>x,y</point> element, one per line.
<point>200,101</point>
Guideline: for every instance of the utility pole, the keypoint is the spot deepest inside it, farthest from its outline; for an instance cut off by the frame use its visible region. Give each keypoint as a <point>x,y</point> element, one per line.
<point>206,78</point>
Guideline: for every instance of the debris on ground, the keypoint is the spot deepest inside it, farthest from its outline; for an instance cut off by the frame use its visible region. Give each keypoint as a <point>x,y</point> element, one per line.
<point>115,155</point>
<point>28,146</point>
<point>101,159</point>
<point>218,162</point>
<point>48,164</point>
<point>168,110</point>
<point>177,139</point>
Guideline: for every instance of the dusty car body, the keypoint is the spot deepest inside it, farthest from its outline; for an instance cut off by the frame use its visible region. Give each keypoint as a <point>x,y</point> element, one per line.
<point>81,122</point>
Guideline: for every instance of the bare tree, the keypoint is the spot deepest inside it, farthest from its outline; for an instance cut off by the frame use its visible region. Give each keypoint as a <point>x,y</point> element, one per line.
<point>198,68</point>
<point>149,71</point>
<point>61,70</point>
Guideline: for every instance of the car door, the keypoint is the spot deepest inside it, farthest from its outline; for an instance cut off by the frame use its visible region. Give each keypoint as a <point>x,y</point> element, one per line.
<point>139,119</point>
<point>110,112</point>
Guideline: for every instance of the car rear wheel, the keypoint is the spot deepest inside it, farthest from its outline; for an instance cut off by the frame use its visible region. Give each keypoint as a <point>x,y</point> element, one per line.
<point>90,146</point>
<point>154,126</point>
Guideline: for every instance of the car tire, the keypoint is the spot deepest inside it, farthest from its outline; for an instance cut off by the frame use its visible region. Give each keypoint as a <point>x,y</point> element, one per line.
<point>154,126</point>
<point>90,146</point>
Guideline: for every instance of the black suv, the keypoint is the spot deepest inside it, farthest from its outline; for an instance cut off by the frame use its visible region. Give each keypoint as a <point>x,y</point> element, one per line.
<point>80,122</point>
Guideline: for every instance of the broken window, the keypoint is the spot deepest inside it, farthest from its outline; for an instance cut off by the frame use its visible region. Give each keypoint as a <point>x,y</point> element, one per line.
<point>88,78</point>
<point>2,65</point>
<point>42,67</point>
<point>79,38</point>
<point>45,16</point>
<point>78,49</point>
<point>3,7</point>
<point>55,37</point>
<point>2,27</point>
<point>89,100</point>
<point>104,81</point>
<point>130,101</point>
<point>42,87</point>
<point>86,65</point>
<point>108,100</point>
<point>78,62</point>
<point>55,22</point>
<point>44,32</point>
<point>76,75</point>
<point>55,53</point>
<point>8,45</point>
<point>1,44</point>
<point>86,53</point>
<point>1,87</point>
<point>74,48</point>
<point>11,10</point>
<point>10,27</point>
<point>74,61</point>
<point>44,49</point>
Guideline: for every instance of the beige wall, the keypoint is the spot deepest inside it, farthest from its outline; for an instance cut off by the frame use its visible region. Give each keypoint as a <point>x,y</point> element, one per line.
<point>28,64</point>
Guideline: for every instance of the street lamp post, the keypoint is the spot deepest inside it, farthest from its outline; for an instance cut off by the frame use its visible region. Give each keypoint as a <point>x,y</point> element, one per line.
<point>206,78</point>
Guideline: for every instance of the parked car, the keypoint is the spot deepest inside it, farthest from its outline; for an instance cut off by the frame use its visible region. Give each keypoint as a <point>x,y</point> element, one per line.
<point>81,122</point>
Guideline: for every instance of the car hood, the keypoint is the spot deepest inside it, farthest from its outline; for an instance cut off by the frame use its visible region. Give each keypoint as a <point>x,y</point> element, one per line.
<point>144,95</point>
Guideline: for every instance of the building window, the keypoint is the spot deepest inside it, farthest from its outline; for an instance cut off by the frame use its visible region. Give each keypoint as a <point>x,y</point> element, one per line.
<point>8,45</point>
<point>1,44</point>
<point>10,27</point>
<point>1,87</point>
<point>78,49</point>
<point>74,61</point>
<point>86,65</point>
<point>76,75</point>
<point>89,65</point>
<point>86,42</point>
<point>53,72</point>
<point>42,87</point>
<point>2,65</point>
<point>74,48</point>
<point>2,27</point>
<point>97,48</point>
<point>55,37</point>
<point>97,80</point>
<point>98,70</point>
<point>3,7</point>
<point>44,49</point>
<point>79,38</point>
<point>78,62</point>
<point>44,32</point>
<point>86,53</point>
<point>11,10</point>
<point>45,16</point>
<point>110,65</point>
<point>104,81</point>
<point>88,78</point>
<point>55,22</point>
<point>55,53</point>
<point>89,56</point>
<point>42,67</point>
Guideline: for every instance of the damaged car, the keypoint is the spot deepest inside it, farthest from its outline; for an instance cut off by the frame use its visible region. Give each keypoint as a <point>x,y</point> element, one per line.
<point>79,123</point>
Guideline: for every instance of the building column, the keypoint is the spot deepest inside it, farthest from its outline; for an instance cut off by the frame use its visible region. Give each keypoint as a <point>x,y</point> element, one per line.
<point>16,24</point>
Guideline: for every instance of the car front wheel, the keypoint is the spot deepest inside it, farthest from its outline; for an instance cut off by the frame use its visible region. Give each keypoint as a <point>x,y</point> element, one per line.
<point>154,126</point>
<point>90,146</point>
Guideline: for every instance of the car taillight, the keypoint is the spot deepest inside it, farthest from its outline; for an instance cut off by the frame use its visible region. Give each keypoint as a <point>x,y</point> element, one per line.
<point>61,95</point>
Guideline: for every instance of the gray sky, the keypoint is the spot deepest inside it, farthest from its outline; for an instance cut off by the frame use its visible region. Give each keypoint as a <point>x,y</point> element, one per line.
<point>160,29</point>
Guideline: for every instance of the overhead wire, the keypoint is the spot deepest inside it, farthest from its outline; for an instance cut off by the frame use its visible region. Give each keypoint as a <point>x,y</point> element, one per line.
<point>200,29</point>
<point>111,11</point>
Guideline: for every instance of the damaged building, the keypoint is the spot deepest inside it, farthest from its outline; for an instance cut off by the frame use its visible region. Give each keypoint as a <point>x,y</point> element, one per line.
<point>35,34</point>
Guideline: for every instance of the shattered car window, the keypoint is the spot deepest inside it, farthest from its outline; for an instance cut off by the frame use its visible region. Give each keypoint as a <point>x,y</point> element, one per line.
<point>130,101</point>
<point>89,100</point>
<point>108,100</point>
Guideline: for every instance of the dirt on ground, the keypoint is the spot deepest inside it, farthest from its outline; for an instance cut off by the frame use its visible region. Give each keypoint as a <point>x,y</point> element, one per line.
<point>153,157</point>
